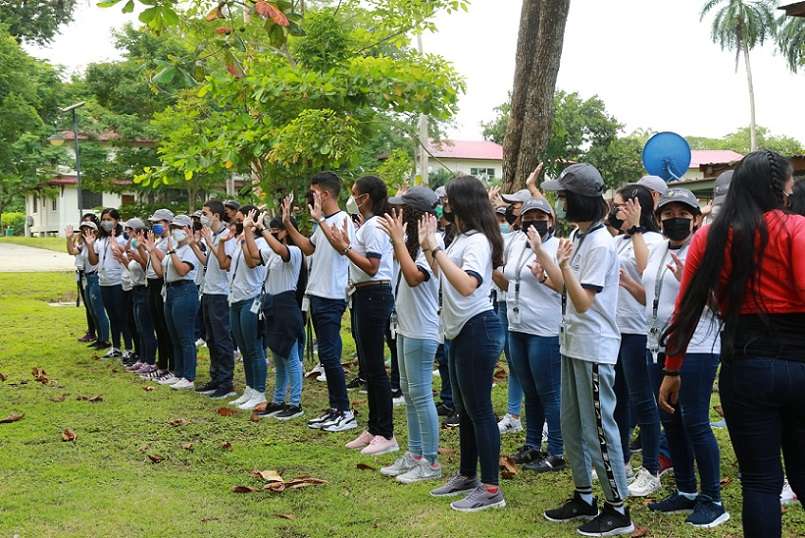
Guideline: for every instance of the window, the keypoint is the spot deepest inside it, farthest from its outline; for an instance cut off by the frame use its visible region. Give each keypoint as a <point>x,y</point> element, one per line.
<point>53,204</point>
<point>36,204</point>
<point>127,199</point>
<point>483,173</point>
<point>90,200</point>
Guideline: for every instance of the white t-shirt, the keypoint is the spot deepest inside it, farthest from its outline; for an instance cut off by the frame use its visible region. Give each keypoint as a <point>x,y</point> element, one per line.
<point>216,280</point>
<point>706,337</point>
<point>245,282</point>
<point>185,254</point>
<point>631,314</point>
<point>199,280</point>
<point>508,238</point>
<point>418,308</point>
<point>136,273</point>
<point>84,256</point>
<point>594,335</point>
<point>330,270</point>
<point>539,306</point>
<point>372,241</point>
<point>472,252</point>
<point>162,245</point>
<point>110,272</point>
<point>282,275</point>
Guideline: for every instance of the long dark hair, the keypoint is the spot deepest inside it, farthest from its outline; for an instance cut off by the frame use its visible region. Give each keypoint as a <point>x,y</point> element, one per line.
<point>646,201</point>
<point>796,202</point>
<point>115,214</point>
<point>411,217</point>
<point>377,191</point>
<point>756,188</point>
<point>470,202</point>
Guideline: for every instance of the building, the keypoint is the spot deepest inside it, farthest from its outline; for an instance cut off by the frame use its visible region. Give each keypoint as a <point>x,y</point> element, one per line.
<point>482,159</point>
<point>705,167</point>
<point>797,9</point>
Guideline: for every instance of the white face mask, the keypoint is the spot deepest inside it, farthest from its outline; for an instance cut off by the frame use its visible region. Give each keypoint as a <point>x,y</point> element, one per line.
<point>179,235</point>
<point>352,206</point>
<point>206,221</point>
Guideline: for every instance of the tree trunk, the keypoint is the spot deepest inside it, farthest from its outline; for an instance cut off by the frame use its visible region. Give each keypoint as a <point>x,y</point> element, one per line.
<point>752,124</point>
<point>539,51</point>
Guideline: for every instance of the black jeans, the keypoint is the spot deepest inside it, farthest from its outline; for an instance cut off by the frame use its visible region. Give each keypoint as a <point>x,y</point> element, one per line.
<point>215,310</point>
<point>114,303</point>
<point>145,325</point>
<point>446,392</point>
<point>395,366</point>
<point>157,306</point>
<point>472,357</point>
<point>372,306</point>
<point>128,305</point>
<point>765,412</point>
<point>326,315</point>
<point>87,310</point>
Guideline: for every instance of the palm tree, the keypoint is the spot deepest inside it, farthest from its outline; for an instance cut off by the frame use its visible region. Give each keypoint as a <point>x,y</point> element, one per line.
<point>791,40</point>
<point>741,25</point>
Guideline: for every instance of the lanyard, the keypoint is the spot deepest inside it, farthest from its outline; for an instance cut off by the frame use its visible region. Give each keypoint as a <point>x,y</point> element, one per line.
<point>658,283</point>
<point>517,270</point>
<point>581,238</point>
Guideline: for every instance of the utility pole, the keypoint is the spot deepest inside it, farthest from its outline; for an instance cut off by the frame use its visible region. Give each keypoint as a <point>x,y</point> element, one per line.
<point>424,137</point>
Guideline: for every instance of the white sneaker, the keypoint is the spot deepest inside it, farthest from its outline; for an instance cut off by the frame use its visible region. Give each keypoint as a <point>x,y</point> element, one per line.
<point>422,471</point>
<point>341,422</point>
<point>322,377</point>
<point>201,343</point>
<point>402,465</point>
<point>315,370</point>
<point>630,475</point>
<point>645,484</point>
<point>509,424</point>
<point>183,384</point>
<point>256,399</point>
<point>168,379</point>
<point>437,373</point>
<point>398,401</point>
<point>787,496</point>
<point>243,398</point>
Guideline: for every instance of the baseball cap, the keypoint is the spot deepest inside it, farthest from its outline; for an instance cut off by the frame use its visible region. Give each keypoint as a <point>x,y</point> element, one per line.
<point>89,224</point>
<point>679,196</point>
<point>722,186</point>
<point>536,204</point>
<point>521,196</point>
<point>196,214</point>
<point>182,220</point>
<point>501,209</point>
<point>419,197</point>
<point>441,191</point>
<point>135,224</point>
<point>654,183</point>
<point>232,204</point>
<point>579,178</point>
<point>161,214</point>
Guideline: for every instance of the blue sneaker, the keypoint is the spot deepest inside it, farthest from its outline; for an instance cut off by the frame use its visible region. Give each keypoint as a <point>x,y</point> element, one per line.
<point>673,504</point>
<point>707,514</point>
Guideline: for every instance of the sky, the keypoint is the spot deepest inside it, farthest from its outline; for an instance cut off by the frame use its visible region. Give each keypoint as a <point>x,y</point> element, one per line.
<point>651,61</point>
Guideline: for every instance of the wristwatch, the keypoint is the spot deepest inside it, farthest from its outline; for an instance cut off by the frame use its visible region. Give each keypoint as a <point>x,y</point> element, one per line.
<point>635,230</point>
<point>435,250</point>
<point>347,249</point>
<point>320,219</point>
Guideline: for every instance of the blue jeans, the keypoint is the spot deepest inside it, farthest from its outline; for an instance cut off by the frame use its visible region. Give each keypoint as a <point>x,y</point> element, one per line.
<point>514,390</point>
<point>215,310</point>
<point>538,364</point>
<point>244,327</point>
<point>118,317</point>
<point>690,437</point>
<point>95,302</point>
<point>634,362</point>
<point>145,325</point>
<point>473,355</point>
<point>288,377</point>
<point>181,303</point>
<point>446,392</point>
<point>326,315</point>
<point>765,412</point>
<point>416,382</point>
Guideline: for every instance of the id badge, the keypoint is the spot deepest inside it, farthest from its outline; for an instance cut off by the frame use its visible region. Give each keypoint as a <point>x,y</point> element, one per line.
<point>305,304</point>
<point>563,336</point>
<point>654,343</point>
<point>255,306</point>
<point>393,325</point>
<point>83,283</point>
<point>515,317</point>
<point>164,293</point>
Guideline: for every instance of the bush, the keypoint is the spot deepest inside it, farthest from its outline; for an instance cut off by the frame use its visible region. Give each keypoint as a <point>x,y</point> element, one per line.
<point>16,220</point>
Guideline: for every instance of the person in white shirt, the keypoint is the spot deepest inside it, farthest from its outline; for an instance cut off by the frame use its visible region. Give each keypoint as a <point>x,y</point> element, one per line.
<point>633,214</point>
<point>327,292</point>
<point>75,247</point>
<point>91,285</point>
<point>587,276</point>
<point>178,270</point>
<point>415,323</point>
<point>476,335</point>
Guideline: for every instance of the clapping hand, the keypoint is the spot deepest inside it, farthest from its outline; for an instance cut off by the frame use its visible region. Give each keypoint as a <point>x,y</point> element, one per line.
<point>315,209</point>
<point>427,232</point>
<point>250,221</point>
<point>531,182</point>
<point>563,252</point>
<point>677,267</point>
<point>341,235</point>
<point>631,211</point>
<point>534,239</point>
<point>394,226</point>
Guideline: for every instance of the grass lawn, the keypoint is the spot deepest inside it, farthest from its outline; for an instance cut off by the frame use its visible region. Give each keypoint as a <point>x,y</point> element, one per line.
<point>49,243</point>
<point>104,484</point>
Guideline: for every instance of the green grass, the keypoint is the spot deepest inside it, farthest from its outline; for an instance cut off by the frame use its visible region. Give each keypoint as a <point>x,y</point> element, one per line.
<point>49,243</point>
<point>104,485</point>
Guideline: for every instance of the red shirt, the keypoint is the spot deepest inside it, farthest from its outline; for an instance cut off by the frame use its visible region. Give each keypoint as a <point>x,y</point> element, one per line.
<point>781,275</point>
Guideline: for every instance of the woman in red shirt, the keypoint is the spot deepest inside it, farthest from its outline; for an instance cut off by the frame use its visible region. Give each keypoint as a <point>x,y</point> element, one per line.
<point>751,263</point>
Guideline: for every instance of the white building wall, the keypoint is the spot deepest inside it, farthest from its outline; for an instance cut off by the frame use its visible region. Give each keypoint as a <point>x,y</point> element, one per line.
<point>47,221</point>
<point>465,166</point>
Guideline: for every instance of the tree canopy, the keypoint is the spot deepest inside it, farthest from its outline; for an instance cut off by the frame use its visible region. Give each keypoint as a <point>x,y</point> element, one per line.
<point>35,21</point>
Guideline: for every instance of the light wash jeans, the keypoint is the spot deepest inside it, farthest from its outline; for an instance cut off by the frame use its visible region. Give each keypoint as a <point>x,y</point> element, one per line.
<point>514,390</point>
<point>244,327</point>
<point>416,382</point>
<point>288,377</point>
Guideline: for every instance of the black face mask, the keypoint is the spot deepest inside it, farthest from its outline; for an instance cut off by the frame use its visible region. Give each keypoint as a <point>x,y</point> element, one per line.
<point>677,228</point>
<point>541,226</point>
<point>613,220</point>
<point>239,228</point>
<point>126,236</point>
<point>510,216</point>
<point>311,199</point>
<point>449,216</point>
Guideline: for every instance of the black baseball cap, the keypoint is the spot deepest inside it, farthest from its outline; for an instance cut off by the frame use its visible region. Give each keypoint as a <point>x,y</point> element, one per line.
<point>419,197</point>
<point>580,178</point>
<point>679,196</point>
<point>722,186</point>
<point>536,204</point>
<point>232,204</point>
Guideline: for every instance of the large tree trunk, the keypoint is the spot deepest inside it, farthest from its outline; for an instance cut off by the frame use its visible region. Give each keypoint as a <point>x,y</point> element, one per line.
<point>539,51</point>
<point>752,124</point>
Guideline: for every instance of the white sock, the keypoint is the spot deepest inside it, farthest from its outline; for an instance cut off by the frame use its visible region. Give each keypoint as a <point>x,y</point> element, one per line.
<point>620,509</point>
<point>688,496</point>
<point>587,497</point>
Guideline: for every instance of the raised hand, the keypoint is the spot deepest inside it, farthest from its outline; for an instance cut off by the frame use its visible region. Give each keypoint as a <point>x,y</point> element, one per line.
<point>90,236</point>
<point>394,226</point>
<point>677,267</point>
<point>315,209</point>
<point>403,188</point>
<point>537,270</point>
<point>169,243</point>
<point>68,231</point>
<point>564,251</point>
<point>341,235</point>
<point>531,182</point>
<point>251,220</point>
<point>494,197</point>
<point>287,204</point>
<point>206,234</point>
<point>534,239</point>
<point>631,214</point>
<point>427,232</point>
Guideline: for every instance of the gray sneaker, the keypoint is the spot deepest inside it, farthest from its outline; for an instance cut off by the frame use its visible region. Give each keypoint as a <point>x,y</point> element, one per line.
<point>404,463</point>
<point>478,500</point>
<point>422,470</point>
<point>457,485</point>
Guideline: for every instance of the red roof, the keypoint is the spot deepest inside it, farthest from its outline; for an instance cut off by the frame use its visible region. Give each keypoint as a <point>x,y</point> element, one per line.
<point>72,180</point>
<point>467,149</point>
<point>713,156</point>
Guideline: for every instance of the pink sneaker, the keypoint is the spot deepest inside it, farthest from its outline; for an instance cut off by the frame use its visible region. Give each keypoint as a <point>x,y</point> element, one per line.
<point>134,367</point>
<point>361,441</point>
<point>380,445</point>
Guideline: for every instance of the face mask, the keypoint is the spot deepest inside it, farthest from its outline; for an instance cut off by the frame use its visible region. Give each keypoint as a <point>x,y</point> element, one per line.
<point>158,229</point>
<point>439,211</point>
<point>541,226</point>
<point>352,206</point>
<point>676,229</point>
<point>179,235</point>
<point>206,221</point>
<point>134,244</point>
<point>613,220</point>
<point>107,225</point>
<point>505,228</point>
<point>560,209</point>
<point>510,216</point>
<point>126,236</point>
<point>239,228</point>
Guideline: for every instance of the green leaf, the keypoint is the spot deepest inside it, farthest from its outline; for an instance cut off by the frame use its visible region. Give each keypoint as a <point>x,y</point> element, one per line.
<point>108,3</point>
<point>148,15</point>
<point>188,175</point>
<point>204,90</point>
<point>165,75</point>
<point>295,30</point>
<point>170,17</point>
<point>129,7</point>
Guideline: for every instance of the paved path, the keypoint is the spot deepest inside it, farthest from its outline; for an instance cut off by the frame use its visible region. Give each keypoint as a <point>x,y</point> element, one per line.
<point>17,258</point>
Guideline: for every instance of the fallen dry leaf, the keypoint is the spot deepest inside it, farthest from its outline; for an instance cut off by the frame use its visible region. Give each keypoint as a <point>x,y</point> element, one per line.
<point>365,467</point>
<point>254,417</point>
<point>508,469</point>
<point>268,476</point>
<point>208,519</point>
<point>96,398</point>
<point>289,517</point>
<point>179,422</point>
<point>260,407</point>
<point>447,451</point>
<point>59,398</point>
<point>726,481</point>
<point>188,446</point>
<point>144,448</point>
<point>40,375</point>
<point>155,458</point>
<point>304,481</point>
<point>3,376</point>
<point>227,446</point>
<point>148,388</point>
<point>718,409</point>
<point>80,397</point>
<point>639,532</point>
<point>68,435</point>
<point>500,374</point>
<point>13,417</point>
<point>243,489</point>
<point>96,357</point>
<point>225,411</point>
<point>275,487</point>
<point>358,403</point>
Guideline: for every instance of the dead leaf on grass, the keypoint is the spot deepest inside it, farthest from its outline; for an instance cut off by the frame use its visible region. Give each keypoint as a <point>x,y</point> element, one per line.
<point>508,469</point>
<point>59,398</point>
<point>639,532</point>
<point>726,481</point>
<point>289,517</point>
<point>13,417</point>
<point>500,374</point>
<point>254,417</point>
<point>243,489</point>
<point>144,448</point>
<point>365,467</point>
<point>447,451</point>
<point>3,376</point>
<point>718,409</point>
<point>225,411</point>
<point>179,422</point>
<point>148,388</point>
<point>68,435</point>
<point>155,458</point>
<point>208,519</point>
<point>304,481</point>
<point>188,446</point>
<point>96,398</point>
<point>268,476</point>
<point>227,446</point>
<point>40,375</point>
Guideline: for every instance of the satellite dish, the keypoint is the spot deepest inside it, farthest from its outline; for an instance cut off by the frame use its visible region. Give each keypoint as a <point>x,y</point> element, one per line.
<point>666,155</point>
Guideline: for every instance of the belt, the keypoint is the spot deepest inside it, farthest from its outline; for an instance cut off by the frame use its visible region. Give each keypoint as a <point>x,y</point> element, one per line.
<point>371,283</point>
<point>179,283</point>
<point>138,286</point>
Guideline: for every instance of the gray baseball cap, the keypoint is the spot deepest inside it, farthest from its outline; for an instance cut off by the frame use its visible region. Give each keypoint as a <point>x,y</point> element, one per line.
<point>521,196</point>
<point>654,183</point>
<point>722,186</point>
<point>421,198</point>
<point>580,178</point>
<point>232,204</point>
<point>536,204</point>
<point>182,220</point>
<point>135,224</point>
<point>501,209</point>
<point>89,224</point>
<point>161,214</point>
<point>679,196</point>
<point>196,214</point>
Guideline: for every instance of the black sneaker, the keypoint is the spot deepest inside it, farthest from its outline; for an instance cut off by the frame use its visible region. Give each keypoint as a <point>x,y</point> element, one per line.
<point>271,409</point>
<point>609,522</point>
<point>326,416</point>
<point>99,345</point>
<point>547,464</point>
<point>574,508</point>
<point>356,384</point>
<point>290,412</point>
<point>675,503</point>
<point>526,454</point>
<point>444,410</point>
<point>223,392</point>
<point>207,388</point>
<point>452,421</point>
